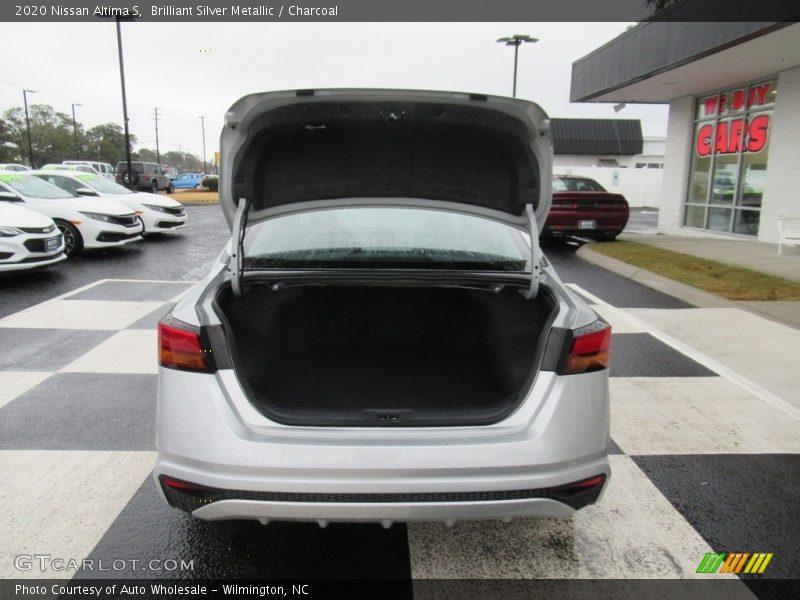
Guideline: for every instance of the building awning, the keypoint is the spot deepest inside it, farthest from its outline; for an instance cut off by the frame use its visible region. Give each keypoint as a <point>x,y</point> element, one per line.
<point>660,60</point>
<point>618,137</point>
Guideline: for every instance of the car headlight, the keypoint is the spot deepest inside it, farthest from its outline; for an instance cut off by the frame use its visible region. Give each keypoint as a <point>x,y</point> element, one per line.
<point>160,209</point>
<point>6,231</point>
<point>98,217</point>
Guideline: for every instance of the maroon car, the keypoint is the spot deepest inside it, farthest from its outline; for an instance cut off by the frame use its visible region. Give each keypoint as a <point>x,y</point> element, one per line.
<point>582,207</point>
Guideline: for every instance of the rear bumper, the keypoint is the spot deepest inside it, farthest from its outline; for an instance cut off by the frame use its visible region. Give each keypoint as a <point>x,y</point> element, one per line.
<point>568,222</point>
<point>256,469</point>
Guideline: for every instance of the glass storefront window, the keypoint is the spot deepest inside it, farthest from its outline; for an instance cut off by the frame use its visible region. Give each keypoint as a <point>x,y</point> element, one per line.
<point>729,158</point>
<point>695,216</point>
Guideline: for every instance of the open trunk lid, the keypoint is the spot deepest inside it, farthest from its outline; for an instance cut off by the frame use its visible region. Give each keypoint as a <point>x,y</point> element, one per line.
<point>295,151</point>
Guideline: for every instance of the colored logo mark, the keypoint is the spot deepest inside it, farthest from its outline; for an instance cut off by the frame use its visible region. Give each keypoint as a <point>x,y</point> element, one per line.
<point>734,562</point>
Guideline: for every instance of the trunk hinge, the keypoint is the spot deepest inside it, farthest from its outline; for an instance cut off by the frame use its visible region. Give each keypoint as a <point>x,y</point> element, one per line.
<point>536,254</point>
<point>237,246</point>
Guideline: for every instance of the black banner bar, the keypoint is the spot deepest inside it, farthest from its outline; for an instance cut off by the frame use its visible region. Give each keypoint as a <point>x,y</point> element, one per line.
<point>401,10</point>
<point>709,588</point>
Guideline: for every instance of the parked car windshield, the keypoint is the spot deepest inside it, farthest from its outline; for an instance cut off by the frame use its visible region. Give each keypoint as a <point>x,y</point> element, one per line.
<point>33,187</point>
<point>103,185</point>
<point>400,238</point>
<point>576,184</point>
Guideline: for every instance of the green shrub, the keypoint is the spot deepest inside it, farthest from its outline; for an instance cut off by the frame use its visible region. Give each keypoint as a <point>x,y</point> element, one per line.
<point>210,182</point>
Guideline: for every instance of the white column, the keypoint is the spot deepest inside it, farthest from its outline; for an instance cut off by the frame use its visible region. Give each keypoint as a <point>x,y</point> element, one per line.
<point>677,160</point>
<point>782,184</point>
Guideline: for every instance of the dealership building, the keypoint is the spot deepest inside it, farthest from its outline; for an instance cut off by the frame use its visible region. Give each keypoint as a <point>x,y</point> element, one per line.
<point>732,153</point>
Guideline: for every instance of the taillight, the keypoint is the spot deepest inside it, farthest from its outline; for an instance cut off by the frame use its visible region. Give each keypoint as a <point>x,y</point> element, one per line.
<point>589,351</point>
<point>180,348</point>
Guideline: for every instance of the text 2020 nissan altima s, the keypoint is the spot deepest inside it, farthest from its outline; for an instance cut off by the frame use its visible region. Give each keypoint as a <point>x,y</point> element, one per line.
<point>380,341</point>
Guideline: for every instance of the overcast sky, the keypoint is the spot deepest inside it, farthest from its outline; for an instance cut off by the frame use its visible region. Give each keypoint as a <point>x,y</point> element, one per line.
<point>192,69</point>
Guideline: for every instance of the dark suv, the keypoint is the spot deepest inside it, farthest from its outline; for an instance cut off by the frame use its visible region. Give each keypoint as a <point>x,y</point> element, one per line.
<point>144,176</point>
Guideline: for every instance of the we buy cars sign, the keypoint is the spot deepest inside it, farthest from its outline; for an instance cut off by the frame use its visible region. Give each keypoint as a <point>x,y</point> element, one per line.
<point>744,133</point>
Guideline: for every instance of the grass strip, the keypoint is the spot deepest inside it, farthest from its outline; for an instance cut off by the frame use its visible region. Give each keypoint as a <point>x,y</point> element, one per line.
<point>733,283</point>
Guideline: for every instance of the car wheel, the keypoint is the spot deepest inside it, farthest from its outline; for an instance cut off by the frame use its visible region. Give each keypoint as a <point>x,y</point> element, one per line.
<point>73,242</point>
<point>197,187</point>
<point>171,189</point>
<point>154,187</point>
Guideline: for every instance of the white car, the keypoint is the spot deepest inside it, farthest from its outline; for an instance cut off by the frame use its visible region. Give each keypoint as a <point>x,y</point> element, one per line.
<point>61,167</point>
<point>158,213</point>
<point>28,240</point>
<point>13,167</point>
<point>103,168</point>
<point>84,222</point>
<point>383,339</point>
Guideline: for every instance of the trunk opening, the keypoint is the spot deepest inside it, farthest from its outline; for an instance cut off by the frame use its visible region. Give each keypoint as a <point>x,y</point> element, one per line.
<point>385,356</point>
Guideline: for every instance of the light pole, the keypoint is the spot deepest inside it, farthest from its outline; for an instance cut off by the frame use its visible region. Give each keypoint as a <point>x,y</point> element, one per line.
<point>203,125</point>
<point>75,130</point>
<point>517,40</point>
<point>124,106</point>
<point>28,123</point>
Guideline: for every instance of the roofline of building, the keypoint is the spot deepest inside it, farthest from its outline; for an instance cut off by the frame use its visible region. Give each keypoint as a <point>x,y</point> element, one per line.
<point>662,44</point>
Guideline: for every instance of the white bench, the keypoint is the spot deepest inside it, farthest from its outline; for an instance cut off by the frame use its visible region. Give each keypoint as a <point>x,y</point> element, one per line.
<point>788,236</point>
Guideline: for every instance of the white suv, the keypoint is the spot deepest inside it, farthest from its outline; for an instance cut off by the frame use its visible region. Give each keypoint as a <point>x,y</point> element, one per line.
<point>383,339</point>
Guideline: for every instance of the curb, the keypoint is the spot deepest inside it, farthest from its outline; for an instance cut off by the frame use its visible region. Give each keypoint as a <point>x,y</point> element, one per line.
<point>673,288</point>
<point>197,202</point>
<point>670,287</point>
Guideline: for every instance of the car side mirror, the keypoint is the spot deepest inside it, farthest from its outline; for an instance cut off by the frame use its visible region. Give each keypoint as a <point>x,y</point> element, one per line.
<point>9,197</point>
<point>85,192</point>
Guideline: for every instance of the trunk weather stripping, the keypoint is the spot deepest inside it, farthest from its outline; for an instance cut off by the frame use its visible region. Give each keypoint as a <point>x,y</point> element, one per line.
<point>536,254</point>
<point>237,243</point>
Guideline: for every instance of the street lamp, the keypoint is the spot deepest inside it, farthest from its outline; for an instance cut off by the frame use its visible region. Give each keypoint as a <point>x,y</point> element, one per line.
<point>28,123</point>
<point>203,125</point>
<point>75,130</point>
<point>517,40</point>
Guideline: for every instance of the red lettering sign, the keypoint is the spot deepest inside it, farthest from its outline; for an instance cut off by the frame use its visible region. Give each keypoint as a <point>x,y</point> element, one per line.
<point>704,140</point>
<point>758,133</point>
<point>732,135</point>
<point>718,104</point>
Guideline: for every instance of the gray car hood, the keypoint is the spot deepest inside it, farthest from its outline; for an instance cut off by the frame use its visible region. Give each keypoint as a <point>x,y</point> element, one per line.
<point>301,150</point>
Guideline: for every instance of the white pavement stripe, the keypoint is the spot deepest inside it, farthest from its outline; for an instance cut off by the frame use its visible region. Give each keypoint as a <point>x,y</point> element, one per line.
<point>633,532</point>
<point>127,351</point>
<point>15,383</point>
<point>708,362</point>
<point>80,289</point>
<point>752,346</point>
<point>80,314</point>
<point>696,415</point>
<point>619,323</point>
<point>61,503</point>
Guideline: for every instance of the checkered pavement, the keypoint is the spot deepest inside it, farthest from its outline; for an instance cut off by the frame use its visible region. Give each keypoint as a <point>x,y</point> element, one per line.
<point>700,462</point>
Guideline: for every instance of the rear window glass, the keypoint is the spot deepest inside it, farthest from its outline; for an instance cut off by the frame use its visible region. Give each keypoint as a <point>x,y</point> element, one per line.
<point>576,184</point>
<point>400,238</point>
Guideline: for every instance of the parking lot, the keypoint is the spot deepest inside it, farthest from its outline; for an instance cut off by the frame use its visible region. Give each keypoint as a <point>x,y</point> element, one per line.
<point>700,462</point>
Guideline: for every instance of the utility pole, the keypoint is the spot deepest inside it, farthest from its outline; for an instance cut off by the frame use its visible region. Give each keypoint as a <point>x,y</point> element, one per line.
<point>28,124</point>
<point>516,41</point>
<point>124,106</point>
<point>203,125</point>
<point>75,131</point>
<point>158,154</point>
